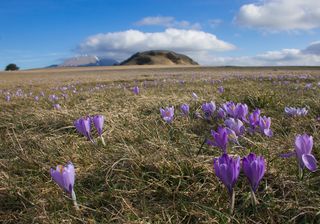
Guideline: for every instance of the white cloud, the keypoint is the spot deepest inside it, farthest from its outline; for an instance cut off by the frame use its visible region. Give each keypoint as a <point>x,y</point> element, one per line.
<point>167,21</point>
<point>156,21</point>
<point>278,15</point>
<point>120,45</point>
<point>309,56</point>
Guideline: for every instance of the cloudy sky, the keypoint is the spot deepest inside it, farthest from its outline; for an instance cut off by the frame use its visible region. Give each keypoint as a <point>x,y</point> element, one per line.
<point>38,33</point>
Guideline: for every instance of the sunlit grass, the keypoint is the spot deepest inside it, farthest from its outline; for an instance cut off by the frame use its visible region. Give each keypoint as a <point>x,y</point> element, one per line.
<point>149,171</point>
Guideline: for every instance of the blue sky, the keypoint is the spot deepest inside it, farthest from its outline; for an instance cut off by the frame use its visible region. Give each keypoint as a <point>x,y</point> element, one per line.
<point>38,33</point>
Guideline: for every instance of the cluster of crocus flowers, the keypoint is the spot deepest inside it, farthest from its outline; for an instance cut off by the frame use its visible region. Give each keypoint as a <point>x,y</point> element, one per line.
<point>235,127</point>
<point>64,176</point>
<point>227,169</point>
<point>259,123</point>
<point>83,126</point>
<point>296,111</point>
<point>167,114</point>
<point>238,110</point>
<point>208,109</point>
<point>303,153</point>
<point>53,97</point>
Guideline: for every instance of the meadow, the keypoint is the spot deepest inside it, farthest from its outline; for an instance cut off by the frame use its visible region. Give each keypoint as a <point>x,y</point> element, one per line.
<point>151,171</point>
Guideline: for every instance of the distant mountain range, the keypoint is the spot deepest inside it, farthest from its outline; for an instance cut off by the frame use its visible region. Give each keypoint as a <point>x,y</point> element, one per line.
<point>85,61</point>
<point>153,57</point>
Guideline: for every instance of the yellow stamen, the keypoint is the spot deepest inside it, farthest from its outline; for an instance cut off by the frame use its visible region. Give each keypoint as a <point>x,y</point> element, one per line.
<point>60,168</point>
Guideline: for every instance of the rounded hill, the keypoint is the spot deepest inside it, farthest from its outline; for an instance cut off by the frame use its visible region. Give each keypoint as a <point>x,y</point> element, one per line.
<point>158,57</point>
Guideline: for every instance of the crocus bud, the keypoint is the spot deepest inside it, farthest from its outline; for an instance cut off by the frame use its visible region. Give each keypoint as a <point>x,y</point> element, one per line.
<point>254,168</point>
<point>136,90</point>
<point>98,121</point>
<point>83,126</point>
<point>185,109</point>
<point>227,169</point>
<point>64,176</point>
<point>220,89</point>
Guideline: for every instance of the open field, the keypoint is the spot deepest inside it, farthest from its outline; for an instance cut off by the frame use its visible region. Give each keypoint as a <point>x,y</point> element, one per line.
<point>151,171</point>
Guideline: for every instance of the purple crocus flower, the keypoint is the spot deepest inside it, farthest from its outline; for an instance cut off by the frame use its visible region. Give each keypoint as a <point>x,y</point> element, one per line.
<point>208,109</point>
<point>184,109</point>
<point>227,169</point>
<point>64,176</point>
<point>308,86</point>
<point>57,106</point>
<point>136,90</point>
<point>303,148</point>
<point>229,108</point>
<point>98,121</point>
<point>265,123</point>
<point>293,111</point>
<point>254,168</point>
<point>254,118</point>
<point>53,97</point>
<point>241,111</point>
<point>221,113</point>
<point>167,114</point>
<point>236,125</point>
<point>83,126</point>
<point>36,98</point>
<point>220,89</point>
<point>220,138</point>
<point>232,136</point>
<point>8,98</point>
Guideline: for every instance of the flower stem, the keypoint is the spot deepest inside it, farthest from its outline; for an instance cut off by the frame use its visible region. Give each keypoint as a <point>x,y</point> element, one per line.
<point>300,173</point>
<point>232,200</point>
<point>74,199</point>
<point>254,200</point>
<point>102,140</point>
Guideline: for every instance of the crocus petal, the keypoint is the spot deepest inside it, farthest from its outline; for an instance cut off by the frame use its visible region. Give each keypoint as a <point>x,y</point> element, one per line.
<point>268,132</point>
<point>310,162</point>
<point>57,177</point>
<point>98,121</point>
<point>288,155</point>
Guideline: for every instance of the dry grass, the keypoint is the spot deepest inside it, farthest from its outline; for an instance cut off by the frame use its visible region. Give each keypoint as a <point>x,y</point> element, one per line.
<point>149,171</point>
